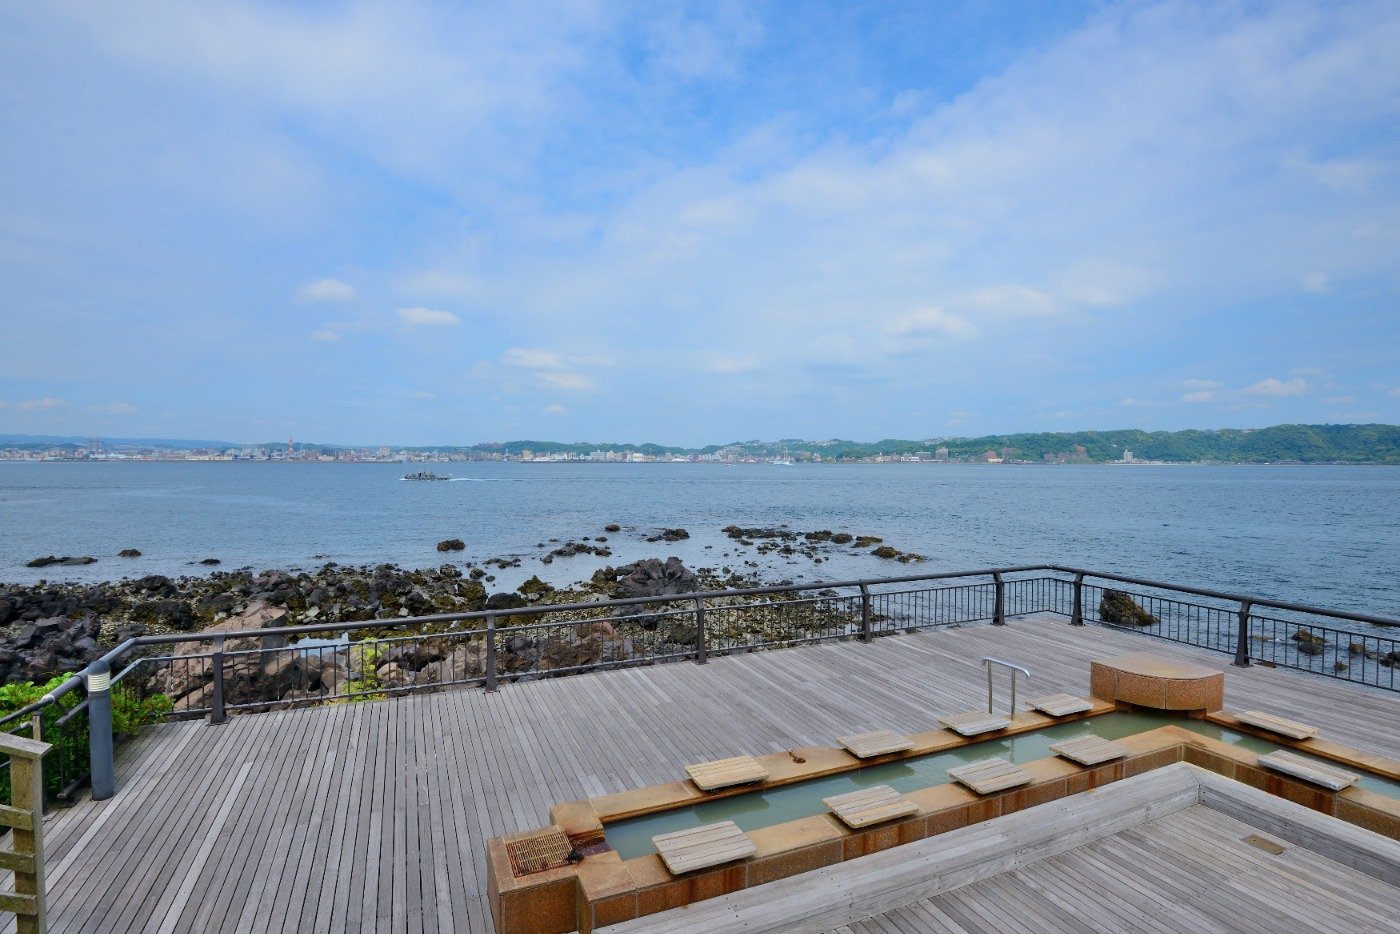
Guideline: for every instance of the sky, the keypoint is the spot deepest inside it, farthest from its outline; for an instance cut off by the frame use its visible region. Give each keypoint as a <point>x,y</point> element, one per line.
<point>415,222</point>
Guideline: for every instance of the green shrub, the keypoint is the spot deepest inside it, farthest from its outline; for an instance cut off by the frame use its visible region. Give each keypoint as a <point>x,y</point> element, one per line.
<point>69,757</point>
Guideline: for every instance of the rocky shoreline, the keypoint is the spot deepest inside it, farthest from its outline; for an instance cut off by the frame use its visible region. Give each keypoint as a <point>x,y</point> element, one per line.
<point>49,628</point>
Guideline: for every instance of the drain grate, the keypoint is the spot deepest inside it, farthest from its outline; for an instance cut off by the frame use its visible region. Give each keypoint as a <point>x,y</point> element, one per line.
<point>548,850</point>
<point>1263,843</point>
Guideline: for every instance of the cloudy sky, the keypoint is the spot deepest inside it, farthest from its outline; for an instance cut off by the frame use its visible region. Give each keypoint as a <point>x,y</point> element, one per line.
<point>423,222</point>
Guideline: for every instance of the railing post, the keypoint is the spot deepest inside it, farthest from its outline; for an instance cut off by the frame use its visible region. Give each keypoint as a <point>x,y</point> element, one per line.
<point>98,682</point>
<point>217,712</point>
<point>1242,635</point>
<point>1077,616</point>
<point>999,607</point>
<point>26,853</point>
<point>700,647</point>
<point>865,614</point>
<point>491,652</point>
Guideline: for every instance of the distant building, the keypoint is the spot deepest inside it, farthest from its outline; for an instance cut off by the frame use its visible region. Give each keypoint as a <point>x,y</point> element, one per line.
<point>941,454</point>
<point>923,455</point>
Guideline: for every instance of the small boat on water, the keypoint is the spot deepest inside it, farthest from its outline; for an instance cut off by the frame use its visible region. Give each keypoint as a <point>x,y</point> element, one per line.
<point>426,475</point>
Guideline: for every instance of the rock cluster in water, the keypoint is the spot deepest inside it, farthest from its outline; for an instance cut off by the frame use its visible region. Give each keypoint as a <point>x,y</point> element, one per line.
<point>786,542</point>
<point>1117,607</point>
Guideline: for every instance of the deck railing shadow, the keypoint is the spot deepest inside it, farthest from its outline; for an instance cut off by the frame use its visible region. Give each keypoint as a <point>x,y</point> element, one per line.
<point>212,675</point>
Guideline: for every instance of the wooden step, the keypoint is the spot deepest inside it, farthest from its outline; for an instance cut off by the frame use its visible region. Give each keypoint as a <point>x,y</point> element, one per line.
<point>870,806</point>
<point>723,773</point>
<point>1060,705</point>
<point>989,775</point>
<point>1089,750</point>
<point>700,847</point>
<point>16,862</point>
<point>876,743</point>
<point>18,904</point>
<point>1290,728</point>
<point>1308,770</point>
<point>975,722</point>
<point>17,818</point>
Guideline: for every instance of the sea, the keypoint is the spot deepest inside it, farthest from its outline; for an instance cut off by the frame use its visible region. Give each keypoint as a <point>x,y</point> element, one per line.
<point>1326,536</point>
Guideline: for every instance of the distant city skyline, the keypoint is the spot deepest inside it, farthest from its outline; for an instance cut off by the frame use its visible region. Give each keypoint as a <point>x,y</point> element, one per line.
<point>421,221</point>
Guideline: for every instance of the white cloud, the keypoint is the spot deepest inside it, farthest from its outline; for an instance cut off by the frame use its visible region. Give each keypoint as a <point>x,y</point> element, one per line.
<point>327,290</point>
<point>932,320</point>
<point>1317,282</point>
<point>729,363</point>
<point>555,409</point>
<point>545,368</point>
<point>1099,283</point>
<point>1276,387</point>
<point>325,335</point>
<point>1200,395</point>
<point>1010,300</point>
<point>120,408</point>
<point>40,405</point>
<point>1200,384</point>
<point>427,317</point>
<point>422,394</point>
<point>443,283</point>
<point>530,358</point>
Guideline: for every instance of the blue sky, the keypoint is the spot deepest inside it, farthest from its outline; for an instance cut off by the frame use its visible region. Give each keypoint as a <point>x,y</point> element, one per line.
<point>420,222</point>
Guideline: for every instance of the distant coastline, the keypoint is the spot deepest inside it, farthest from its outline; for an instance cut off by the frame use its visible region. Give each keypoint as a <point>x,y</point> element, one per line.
<point>1373,444</point>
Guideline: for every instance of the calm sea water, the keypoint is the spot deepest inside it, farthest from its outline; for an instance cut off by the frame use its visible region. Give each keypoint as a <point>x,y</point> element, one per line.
<point>1321,535</point>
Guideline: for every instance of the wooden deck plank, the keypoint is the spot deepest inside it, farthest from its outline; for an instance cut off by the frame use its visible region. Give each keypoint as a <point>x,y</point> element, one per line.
<point>483,764</point>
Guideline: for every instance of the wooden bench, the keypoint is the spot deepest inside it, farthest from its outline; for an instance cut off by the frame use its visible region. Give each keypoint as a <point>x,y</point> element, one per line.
<point>1088,750</point>
<point>701,847</point>
<point>722,773</point>
<point>988,775</point>
<point>1290,728</point>
<point>1309,771</point>
<point>971,724</point>
<point>1060,705</point>
<point>870,806</point>
<point>876,743</point>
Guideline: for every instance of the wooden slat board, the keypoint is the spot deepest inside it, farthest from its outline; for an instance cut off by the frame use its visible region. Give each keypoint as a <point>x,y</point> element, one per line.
<point>876,743</point>
<point>387,805</point>
<point>1060,705</point>
<point>1089,750</point>
<point>975,723</point>
<point>699,847</point>
<point>723,773</point>
<point>1308,770</point>
<point>1290,728</point>
<point>868,806</point>
<point>986,776</point>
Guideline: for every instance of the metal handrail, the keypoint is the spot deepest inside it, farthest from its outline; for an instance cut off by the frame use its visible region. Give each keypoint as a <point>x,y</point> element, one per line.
<point>991,663</point>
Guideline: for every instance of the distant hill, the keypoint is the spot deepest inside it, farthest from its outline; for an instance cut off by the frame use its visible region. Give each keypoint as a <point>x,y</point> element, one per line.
<point>1280,444</point>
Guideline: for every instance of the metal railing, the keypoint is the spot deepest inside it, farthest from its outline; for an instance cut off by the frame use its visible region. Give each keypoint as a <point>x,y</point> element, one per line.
<point>210,674</point>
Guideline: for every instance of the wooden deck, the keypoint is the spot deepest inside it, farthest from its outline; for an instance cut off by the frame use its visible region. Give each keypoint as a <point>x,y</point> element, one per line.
<point>372,817</point>
<point>1184,873</point>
